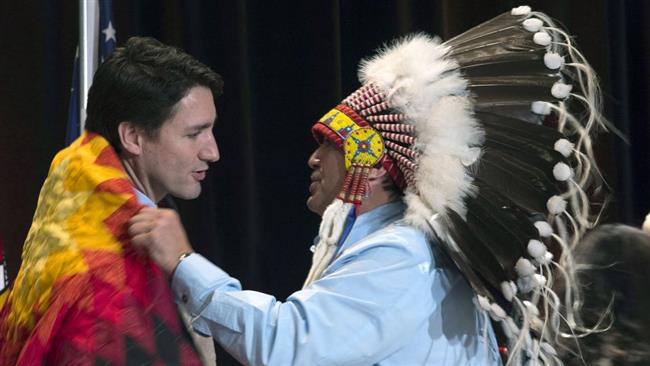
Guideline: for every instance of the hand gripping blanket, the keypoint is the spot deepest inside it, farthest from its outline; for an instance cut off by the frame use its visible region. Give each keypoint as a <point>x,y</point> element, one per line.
<point>82,295</point>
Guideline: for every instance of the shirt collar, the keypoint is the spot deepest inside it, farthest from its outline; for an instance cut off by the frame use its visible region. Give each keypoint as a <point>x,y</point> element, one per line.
<point>144,199</point>
<point>373,220</point>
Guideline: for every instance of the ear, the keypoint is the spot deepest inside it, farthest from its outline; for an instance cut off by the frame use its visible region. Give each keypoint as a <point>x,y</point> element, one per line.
<point>376,177</point>
<point>130,137</point>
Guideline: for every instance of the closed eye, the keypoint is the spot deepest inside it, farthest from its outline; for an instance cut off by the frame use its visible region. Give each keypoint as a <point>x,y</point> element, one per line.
<point>195,131</point>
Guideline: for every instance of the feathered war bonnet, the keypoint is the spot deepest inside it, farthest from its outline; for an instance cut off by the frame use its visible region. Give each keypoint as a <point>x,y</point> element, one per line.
<point>488,135</point>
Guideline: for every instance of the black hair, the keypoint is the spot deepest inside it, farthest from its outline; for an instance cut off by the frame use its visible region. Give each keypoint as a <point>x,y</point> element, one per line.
<point>614,266</point>
<point>141,82</point>
<point>391,188</point>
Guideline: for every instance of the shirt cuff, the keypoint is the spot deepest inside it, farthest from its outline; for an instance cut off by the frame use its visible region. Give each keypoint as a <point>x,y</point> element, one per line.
<point>194,281</point>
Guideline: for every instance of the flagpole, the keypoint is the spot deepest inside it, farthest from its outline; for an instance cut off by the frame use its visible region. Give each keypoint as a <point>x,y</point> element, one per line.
<point>88,35</point>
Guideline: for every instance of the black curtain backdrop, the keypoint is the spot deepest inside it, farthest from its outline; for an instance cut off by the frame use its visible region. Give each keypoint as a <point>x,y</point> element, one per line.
<point>284,65</point>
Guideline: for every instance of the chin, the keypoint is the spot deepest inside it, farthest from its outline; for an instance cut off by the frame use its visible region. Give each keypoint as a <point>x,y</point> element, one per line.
<point>314,206</point>
<point>310,204</point>
<point>187,195</point>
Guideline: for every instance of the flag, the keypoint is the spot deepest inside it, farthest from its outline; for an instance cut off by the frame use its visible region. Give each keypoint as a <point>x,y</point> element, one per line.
<point>4,280</point>
<point>106,42</point>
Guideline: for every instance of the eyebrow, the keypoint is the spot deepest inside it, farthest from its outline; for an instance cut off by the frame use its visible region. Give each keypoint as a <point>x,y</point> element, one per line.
<point>203,126</point>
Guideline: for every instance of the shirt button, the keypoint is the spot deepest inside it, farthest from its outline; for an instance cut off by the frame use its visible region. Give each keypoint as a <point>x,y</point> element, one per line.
<point>184,299</point>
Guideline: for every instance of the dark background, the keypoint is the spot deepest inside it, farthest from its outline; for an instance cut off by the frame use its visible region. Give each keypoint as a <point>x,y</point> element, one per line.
<point>284,65</point>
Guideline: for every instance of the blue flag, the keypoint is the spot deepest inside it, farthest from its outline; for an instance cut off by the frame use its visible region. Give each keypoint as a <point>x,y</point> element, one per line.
<point>106,45</point>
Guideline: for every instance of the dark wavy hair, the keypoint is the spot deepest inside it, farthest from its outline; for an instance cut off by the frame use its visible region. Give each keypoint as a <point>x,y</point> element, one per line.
<point>614,272</point>
<point>141,82</point>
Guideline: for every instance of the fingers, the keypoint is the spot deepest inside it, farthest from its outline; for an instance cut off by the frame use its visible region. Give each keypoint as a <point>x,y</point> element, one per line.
<point>160,234</point>
<point>150,223</point>
<point>145,214</point>
<point>140,227</point>
<point>149,219</point>
<point>140,241</point>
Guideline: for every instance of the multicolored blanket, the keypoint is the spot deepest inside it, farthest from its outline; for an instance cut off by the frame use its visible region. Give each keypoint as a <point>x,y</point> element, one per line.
<point>82,295</point>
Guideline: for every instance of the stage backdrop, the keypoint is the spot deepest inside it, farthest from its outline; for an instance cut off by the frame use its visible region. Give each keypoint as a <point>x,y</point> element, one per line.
<point>284,65</point>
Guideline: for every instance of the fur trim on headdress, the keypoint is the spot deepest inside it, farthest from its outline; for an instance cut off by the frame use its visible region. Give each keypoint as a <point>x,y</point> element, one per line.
<point>422,84</point>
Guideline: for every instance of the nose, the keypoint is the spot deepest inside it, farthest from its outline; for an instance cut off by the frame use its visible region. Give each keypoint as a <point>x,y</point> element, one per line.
<point>210,152</point>
<point>314,159</point>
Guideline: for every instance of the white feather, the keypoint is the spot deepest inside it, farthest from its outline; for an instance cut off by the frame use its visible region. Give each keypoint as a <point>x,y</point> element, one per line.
<point>542,38</point>
<point>536,248</point>
<point>540,107</point>
<point>564,147</point>
<point>531,309</point>
<point>548,348</point>
<point>533,25</point>
<point>562,172</point>
<point>524,268</point>
<point>520,10</point>
<point>548,257</point>
<point>561,90</point>
<point>508,289</point>
<point>497,312</point>
<point>553,60</point>
<point>483,302</point>
<point>420,82</point>
<point>544,228</point>
<point>556,205</point>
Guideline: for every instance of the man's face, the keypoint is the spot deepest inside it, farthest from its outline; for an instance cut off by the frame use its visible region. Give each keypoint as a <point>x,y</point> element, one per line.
<point>328,163</point>
<point>176,161</point>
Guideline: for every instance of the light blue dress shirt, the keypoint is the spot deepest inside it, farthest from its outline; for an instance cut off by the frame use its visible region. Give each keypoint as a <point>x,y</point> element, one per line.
<point>386,299</point>
<point>144,199</point>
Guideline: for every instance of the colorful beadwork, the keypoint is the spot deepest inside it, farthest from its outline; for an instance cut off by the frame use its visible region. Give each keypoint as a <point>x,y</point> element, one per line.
<point>363,147</point>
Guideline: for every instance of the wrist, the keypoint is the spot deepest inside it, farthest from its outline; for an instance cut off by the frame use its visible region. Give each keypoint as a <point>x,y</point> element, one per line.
<point>181,257</point>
